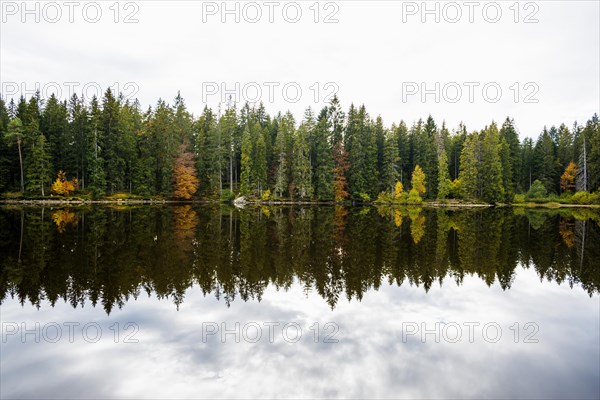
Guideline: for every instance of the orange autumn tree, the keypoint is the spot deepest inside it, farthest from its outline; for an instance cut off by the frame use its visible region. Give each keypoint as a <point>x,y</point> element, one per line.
<point>185,181</point>
<point>567,180</point>
<point>62,186</point>
<point>342,165</point>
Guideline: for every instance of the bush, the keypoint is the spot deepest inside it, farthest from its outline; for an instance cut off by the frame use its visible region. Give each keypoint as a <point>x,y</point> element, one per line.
<point>364,197</point>
<point>12,195</point>
<point>266,195</point>
<point>384,197</point>
<point>537,190</point>
<point>585,198</point>
<point>227,196</point>
<point>123,196</point>
<point>519,199</point>
<point>455,189</point>
<point>413,197</point>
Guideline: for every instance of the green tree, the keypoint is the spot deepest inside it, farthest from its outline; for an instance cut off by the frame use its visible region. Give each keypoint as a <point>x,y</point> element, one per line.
<point>284,154</point>
<point>391,162</point>
<point>490,172</point>
<point>39,169</point>
<point>15,134</point>
<point>302,184</point>
<point>97,177</point>
<point>323,158</point>
<point>444,181</point>
<point>544,165</point>
<point>511,158</point>
<point>362,149</point>
<point>469,166</point>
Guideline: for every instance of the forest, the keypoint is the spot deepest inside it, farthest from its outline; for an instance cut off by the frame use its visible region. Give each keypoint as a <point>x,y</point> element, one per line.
<point>97,148</point>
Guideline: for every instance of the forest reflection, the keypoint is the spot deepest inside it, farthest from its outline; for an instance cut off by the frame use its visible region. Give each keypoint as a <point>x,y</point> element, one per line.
<point>109,255</point>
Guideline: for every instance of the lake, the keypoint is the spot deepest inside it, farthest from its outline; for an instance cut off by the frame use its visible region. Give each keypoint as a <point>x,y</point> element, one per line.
<point>182,301</point>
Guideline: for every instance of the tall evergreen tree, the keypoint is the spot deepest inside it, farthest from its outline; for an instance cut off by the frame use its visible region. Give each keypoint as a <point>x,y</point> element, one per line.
<point>302,183</point>
<point>470,162</point>
<point>490,174</point>
<point>444,181</point>
<point>544,156</point>
<point>39,169</point>
<point>390,166</point>
<point>323,158</point>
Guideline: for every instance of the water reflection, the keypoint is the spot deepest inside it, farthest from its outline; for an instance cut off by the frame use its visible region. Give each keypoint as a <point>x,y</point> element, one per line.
<point>108,255</point>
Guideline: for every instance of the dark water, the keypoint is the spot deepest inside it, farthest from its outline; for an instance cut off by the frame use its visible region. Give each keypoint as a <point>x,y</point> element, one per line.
<point>180,301</point>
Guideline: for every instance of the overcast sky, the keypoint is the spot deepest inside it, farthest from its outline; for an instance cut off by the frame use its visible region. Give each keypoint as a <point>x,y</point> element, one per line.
<point>543,56</point>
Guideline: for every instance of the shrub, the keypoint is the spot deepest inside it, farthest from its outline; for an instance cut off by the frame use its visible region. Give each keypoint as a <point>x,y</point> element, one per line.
<point>384,197</point>
<point>62,186</point>
<point>266,195</point>
<point>537,190</point>
<point>227,195</point>
<point>584,198</point>
<point>12,195</point>
<point>413,197</point>
<point>519,199</point>
<point>455,189</point>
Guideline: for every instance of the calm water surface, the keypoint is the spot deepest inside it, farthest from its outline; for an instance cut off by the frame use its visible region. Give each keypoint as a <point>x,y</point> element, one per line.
<point>186,301</point>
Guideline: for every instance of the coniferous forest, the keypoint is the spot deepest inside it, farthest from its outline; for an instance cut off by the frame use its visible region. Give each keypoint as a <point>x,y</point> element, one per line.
<point>95,148</point>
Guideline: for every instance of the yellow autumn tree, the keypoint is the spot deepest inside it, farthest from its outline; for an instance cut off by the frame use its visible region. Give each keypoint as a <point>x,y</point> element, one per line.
<point>567,180</point>
<point>63,218</point>
<point>185,181</point>
<point>62,186</point>
<point>398,191</point>
<point>418,180</point>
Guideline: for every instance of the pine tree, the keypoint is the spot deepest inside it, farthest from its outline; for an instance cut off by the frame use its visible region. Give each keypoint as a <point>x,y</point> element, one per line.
<point>592,132</point>
<point>55,125</point>
<point>444,181</point>
<point>302,183</point>
<point>391,163</point>
<point>545,168</point>
<point>259,159</point>
<point>490,174</point>
<point>336,119</point>
<point>323,159</point>
<point>457,142</point>
<point>6,156</point>
<point>509,134</point>
<point>97,178</point>
<point>469,166</point>
<point>362,148</point>
<point>405,168</point>
<point>246,163</point>
<point>283,153</point>
<point>39,169</point>
<point>15,134</point>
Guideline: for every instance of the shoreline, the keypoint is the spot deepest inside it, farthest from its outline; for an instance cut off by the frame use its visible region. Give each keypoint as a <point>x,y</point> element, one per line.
<point>434,204</point>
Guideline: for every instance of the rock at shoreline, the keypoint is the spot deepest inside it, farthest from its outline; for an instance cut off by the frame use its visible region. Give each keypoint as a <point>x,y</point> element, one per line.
<point>240,202</point>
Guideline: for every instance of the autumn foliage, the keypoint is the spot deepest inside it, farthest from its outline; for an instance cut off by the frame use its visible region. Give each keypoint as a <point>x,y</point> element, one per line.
<point>63,218</point>
<point>185,181</point>
<point>62,186</point>
<point>341,168</point>
<point>418,180</point>
<point>567,180</point>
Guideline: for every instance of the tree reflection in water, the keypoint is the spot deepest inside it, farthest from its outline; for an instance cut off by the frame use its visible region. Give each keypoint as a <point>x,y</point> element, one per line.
<point>108,255</point>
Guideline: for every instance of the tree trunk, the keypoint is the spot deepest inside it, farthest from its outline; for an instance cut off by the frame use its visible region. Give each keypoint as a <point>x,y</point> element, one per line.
<point>21,165</point>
